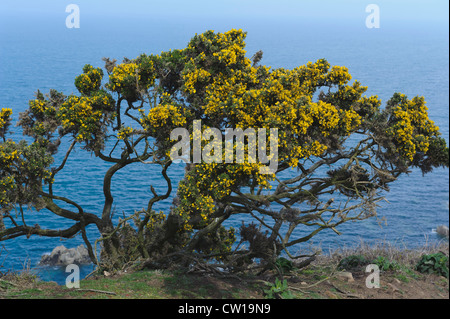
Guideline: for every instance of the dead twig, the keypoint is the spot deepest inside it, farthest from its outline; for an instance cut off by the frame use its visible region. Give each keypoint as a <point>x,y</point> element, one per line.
<point>98,291</point>
<point>342,292</point>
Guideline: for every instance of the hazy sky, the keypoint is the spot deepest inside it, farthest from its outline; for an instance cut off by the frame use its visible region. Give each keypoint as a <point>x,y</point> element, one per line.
<point>399,10</point>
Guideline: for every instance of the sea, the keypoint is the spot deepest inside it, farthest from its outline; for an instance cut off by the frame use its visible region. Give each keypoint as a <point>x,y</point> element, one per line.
<point>39,51</point>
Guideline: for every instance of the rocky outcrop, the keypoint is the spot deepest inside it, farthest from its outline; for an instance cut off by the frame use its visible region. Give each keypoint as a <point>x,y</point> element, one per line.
<point>62,256</point>
<point>442,231</point>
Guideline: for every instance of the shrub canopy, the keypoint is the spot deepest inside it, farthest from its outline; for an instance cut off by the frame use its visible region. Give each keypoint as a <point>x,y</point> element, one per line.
<point>338,151</point>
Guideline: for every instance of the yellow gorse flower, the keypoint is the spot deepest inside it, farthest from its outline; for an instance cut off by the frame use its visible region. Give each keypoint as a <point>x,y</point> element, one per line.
<point>121,73</point>
<point>162,116</point>
<point>7,154</point>
<point>124,132</point>
<point>6,185</point>
<point>78,113</point>
<point>193,77</point>
<point>5,114</point>
<point>412,129</point>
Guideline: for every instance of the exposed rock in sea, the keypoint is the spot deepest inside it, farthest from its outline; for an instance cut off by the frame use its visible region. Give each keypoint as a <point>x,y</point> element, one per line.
<point>62,256</point>
<point>442,231</point>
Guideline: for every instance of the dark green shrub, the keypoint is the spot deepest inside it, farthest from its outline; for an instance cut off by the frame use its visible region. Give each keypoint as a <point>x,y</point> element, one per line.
<point>384,264</point>
<point>352,262</point>
<point>284,265</point>
<point>433,263</point>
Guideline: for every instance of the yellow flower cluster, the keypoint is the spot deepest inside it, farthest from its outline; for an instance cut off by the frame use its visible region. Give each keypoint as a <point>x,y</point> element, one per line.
<point>326,115</point>
<point>103,101</point>
<point>411,127</point>
<point>37,106</point>
<point>191,78</point>
<point>124,132</point>
<point>403,132</point>
<point>245,96</point>
<point>122,73</point>
<point>372,100</point>
<point>220,185</point>
<point>78,113</point>
<point>41,108</point>
<point>155,219</point>
<point>6,185</point>
<point>5,114</point>
<point>234,53</point>
<point>220,89</point>
<point>368,106</point>
<point>226,90</point>
<point>296,153</point>
<point>338,75</point>
<point>350,120</point>
<point>194,203</point>
<point>90,80</point>
<point>8,154</point>
<point>209,182</point>
<point>229,55</point>
<point>166,115</point>
<point>303,80</point>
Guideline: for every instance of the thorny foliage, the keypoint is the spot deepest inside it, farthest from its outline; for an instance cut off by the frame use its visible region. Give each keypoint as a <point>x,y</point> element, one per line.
<point>338,152</point>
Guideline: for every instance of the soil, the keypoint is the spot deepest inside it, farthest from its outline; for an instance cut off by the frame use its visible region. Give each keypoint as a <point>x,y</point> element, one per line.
<point>320,279</point>
<point>307,284</point>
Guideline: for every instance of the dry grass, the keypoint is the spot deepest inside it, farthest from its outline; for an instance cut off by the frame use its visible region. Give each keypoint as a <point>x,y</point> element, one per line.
<point>393,252</point>
<point>318,280</point>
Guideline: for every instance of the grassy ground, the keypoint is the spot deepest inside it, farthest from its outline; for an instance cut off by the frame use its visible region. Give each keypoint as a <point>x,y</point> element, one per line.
<point>320,280</point>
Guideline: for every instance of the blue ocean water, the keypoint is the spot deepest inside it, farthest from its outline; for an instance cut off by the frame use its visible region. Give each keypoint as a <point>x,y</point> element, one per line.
<point>39,52</point>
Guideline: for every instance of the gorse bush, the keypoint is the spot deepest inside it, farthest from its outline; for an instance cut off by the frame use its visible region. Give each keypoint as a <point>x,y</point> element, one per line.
<point>125,114</point>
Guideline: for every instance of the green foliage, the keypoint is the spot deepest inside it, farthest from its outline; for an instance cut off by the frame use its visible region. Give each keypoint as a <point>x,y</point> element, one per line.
<point>433,264</point>
<point>138,103</point>
<point>352,262</point>
<point>90,80</point>
<point>384,264</point>
<point>5,121</point>
<point>284,265</point>
<point>24,169</point>
<point>278,290</point>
